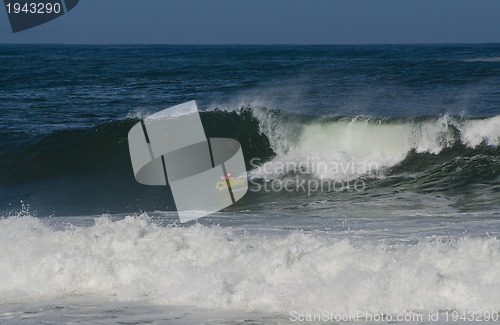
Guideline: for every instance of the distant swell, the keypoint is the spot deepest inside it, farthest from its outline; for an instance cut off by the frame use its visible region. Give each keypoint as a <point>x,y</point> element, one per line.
<point>88,170</point>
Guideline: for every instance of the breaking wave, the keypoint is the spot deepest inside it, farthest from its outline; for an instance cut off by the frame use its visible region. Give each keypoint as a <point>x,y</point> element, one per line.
<point>66,165</point>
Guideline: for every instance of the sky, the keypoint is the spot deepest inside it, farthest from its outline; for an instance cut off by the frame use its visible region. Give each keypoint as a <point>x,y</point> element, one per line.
<point>267,22</point>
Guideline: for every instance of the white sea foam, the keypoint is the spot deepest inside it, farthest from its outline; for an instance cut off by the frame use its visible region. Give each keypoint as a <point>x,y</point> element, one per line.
<point>136,260</point>
<point>475,132</point>
<point>355,142</point>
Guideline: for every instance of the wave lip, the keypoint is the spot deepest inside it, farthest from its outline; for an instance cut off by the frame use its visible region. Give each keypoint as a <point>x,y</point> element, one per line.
<point>475,132</point>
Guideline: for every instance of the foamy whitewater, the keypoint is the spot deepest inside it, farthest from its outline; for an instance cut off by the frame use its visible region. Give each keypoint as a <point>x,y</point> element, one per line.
<point>360,146</point>
<point>134,259</point>
<point>374,186</point>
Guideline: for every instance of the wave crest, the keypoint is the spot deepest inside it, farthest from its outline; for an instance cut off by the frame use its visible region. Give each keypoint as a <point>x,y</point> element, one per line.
<point>362,141</point>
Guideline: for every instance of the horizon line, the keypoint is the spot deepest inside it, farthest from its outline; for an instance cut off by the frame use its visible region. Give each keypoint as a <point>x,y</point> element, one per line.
<point>263,44</point>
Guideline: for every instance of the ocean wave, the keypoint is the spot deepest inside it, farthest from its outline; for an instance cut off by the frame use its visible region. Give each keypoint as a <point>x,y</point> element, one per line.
<point>344,148</point>
<point>66,165</point>
<point>134,259</point>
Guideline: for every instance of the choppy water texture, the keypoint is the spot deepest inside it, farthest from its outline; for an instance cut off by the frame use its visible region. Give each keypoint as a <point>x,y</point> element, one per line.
<point>417,126</point>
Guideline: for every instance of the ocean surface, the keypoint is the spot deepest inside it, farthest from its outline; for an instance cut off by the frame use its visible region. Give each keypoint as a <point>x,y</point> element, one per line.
<point>374,186</point>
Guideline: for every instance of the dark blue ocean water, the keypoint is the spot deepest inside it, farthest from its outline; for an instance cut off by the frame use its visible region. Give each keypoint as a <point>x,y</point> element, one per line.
<point>81,240</point>
<point>58,87</point>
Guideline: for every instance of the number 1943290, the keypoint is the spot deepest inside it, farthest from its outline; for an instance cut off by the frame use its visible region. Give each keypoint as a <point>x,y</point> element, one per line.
<point>33,8</point>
